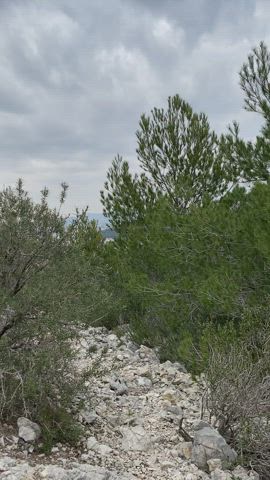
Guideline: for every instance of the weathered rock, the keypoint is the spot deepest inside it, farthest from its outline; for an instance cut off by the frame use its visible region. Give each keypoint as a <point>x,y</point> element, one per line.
<point>135,439</point>
<point>10,469</point>
<point>240,473</point>
<point>199,424</point>
<point>119,386</point>
<point>209,444</point>
<point>221,475</point>
<point>81,472</point>
<point>214,464</point>
<point>172,412</point>
<point>102,449</point>
<point>91,443</point>
<point>28,431</point>
<point>185,450</point>
<point>144,382</point>
<point>88,417</point>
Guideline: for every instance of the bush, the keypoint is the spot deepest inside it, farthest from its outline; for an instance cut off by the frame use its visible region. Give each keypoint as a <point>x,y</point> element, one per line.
<point>237,375</point>
<point>37,381</point>
<point>179,272</point>
<point>49,284</point>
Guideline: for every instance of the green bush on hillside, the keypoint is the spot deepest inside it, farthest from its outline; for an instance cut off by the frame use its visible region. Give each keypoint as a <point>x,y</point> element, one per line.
<point>51,281</point>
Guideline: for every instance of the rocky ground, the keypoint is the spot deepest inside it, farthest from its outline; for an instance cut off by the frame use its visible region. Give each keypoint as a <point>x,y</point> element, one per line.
<point>131,416</point>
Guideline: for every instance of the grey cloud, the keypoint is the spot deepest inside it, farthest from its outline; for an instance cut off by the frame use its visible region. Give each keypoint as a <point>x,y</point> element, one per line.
<point>75,77</point>
<point>12,101</point>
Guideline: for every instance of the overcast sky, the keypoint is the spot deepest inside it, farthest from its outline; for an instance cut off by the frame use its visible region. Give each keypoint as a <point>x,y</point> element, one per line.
<point>75,75</point>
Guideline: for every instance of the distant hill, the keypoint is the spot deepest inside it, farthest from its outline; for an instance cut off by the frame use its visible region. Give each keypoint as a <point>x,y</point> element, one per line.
<point>99,217</point>
<point>108,233</point>
<point>102,222</point>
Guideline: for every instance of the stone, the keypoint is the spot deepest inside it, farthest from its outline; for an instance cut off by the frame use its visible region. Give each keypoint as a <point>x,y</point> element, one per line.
<point>199,425</point>
<point>88,417</point>
<point>81,472</point>
<point>120,357</point>
<point>214,464</point>
<point>91,443</point>
<point>103,450</point>
<point>11,470</point>
<point>85,457</point>
<point>147,353</point>
<point>221,475</point>
<point>135,439</point>
<point>6,463</point>
<point>112,338</point>
<point>119,386</point>
<point>144,371</point>
<point>209,444</point>
<point>185,450</point>
<point>191,476</point>
<point>180,367</point>
<point>240,473</point>
<point>166,465</point>
<point>54,450</point>
<point>28,431</point>
<point>84,343</point>
<point>144,382</point>
<point>172,412</point>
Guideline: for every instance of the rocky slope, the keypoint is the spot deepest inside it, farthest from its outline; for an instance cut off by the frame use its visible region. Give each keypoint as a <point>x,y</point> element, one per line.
<point>131,416</point>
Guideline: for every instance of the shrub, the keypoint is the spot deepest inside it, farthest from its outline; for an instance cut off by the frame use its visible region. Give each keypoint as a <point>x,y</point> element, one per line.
<point>48,286</point>
<point>179,272</point>
<point>238,397</point>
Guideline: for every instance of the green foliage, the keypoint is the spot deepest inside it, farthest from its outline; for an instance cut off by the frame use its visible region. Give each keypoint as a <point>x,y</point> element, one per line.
<point>179,272</point>
<point>125,197</point>
<point>53,278</point>
<point>22,220</point>
<point>180,153</point>
<point>254,80</point>
<point>181,160</point>
<point>85,235</point>
<point>37,381</point>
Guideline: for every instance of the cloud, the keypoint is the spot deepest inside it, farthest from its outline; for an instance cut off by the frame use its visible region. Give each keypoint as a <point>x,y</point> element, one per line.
<point>75,77</point>
<point>167,34</point>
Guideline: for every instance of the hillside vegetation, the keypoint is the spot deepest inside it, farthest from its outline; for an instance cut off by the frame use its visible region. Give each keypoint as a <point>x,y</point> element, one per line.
<point>188,271</point>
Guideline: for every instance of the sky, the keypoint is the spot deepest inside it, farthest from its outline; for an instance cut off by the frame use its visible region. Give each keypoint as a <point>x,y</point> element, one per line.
<point>75,76</point>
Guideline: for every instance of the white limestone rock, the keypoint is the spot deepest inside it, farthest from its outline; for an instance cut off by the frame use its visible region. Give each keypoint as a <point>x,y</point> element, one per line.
<point>28,431</point>
<point>209,444</point>
<point>214,464</point>
<point>135,439</point>
<point>185,450</point>
<point>144,382</point>
<point>119,386</point>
